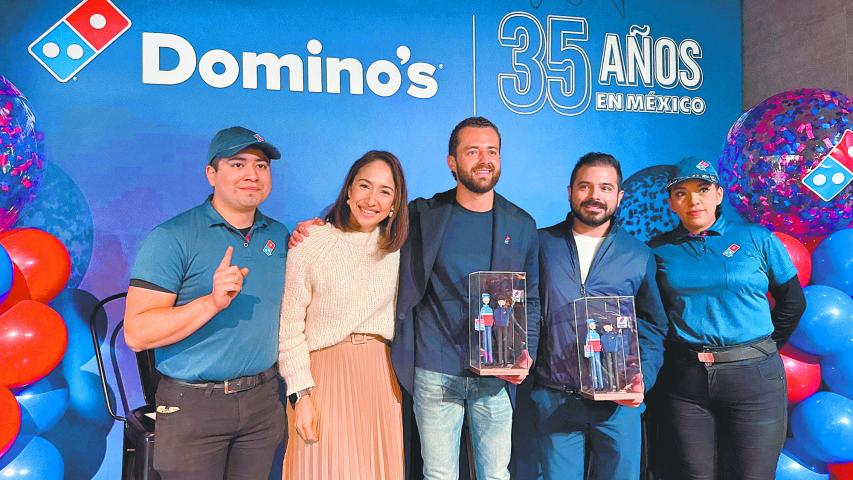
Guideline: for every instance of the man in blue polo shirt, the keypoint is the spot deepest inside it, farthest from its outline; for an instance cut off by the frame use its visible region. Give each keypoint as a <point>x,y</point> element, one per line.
<point>204,294</point>
<point>588,255</point>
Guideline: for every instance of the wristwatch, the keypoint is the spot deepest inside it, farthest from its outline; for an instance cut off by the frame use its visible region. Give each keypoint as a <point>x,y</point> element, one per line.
<point>296,396</point>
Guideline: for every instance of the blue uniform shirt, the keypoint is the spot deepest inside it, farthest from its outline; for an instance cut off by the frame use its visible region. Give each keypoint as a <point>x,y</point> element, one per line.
<point>443,323</point>
<point>713,285</point>
<point>181,255</point>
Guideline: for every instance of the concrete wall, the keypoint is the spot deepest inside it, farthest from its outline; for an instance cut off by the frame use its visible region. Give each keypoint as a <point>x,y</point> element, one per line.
<point>790,44</point>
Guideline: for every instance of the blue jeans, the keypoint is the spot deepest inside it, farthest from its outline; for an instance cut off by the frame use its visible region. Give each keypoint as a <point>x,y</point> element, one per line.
<point>566,422</point>
<point>440,402</point>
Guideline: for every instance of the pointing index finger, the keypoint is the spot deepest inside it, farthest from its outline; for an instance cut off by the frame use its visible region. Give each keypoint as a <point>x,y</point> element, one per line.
<point>226,259</point>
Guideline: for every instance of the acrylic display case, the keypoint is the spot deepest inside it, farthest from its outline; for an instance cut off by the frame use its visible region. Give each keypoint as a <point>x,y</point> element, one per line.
<point>497,330</point>
<point>608,348</point>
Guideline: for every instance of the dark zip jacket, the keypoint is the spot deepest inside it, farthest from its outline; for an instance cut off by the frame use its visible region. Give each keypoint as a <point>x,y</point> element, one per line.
<point>622,266</point>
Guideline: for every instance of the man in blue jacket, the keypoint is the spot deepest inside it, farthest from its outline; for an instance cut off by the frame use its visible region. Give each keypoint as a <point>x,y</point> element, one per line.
<point>588,255</point>
<point>467,229</point>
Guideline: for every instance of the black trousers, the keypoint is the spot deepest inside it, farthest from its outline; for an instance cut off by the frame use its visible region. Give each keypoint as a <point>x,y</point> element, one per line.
<point>727,420</point>
<point>212,435</point>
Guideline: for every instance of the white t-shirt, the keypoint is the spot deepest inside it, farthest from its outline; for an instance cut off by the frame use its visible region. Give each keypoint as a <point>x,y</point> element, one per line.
<point>587,248</point>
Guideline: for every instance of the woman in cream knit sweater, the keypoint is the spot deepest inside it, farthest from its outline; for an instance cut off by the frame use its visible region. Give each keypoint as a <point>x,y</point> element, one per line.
<point>337,320</point>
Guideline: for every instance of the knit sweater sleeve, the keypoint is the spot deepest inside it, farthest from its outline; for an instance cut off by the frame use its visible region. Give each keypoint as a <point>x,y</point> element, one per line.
<point>293,360</point>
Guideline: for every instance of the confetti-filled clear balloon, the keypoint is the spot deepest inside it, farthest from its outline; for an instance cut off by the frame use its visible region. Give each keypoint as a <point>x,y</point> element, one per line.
<point>21,160</point>
<point>772,147</point>
<point>644,211</point>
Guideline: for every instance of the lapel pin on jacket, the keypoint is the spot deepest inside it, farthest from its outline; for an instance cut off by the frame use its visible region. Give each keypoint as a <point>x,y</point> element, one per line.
<point>506,240</point>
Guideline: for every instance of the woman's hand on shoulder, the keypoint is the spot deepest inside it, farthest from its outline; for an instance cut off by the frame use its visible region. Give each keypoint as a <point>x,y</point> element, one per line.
<point>301,232</point>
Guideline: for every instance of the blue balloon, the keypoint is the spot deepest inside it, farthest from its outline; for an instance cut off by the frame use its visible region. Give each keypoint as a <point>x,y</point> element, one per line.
<point>86,399</point>
<point>5,274</point>
<point>827,324</point>
<point>823,425</point>
<point>837,372</point>
<point>788,469</point>
<point>86,395</point>
<point>32,458</point>
<point>832,261</point>
<point>43,403</point>
<point>797,452</point>
<point>84,445</point>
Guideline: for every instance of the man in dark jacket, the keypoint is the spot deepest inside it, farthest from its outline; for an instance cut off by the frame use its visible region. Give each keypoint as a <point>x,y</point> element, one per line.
<point>467,229</point>
<point>584,256</point>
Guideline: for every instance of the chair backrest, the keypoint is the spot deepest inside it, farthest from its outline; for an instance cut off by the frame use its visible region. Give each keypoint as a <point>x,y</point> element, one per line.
<point>148,375</point>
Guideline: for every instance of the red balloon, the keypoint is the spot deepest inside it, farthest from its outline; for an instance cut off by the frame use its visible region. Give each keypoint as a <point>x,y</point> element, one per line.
<point>840,471</point>
<point>10,419</point>
<point>802,372</point>
<point>33,339</point>
<point>19,290</point>
<point>42,258</point>
<point>799,254</point>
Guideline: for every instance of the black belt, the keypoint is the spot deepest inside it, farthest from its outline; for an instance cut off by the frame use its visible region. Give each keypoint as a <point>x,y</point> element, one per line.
<point>239,384</point>
<point>711,355</point>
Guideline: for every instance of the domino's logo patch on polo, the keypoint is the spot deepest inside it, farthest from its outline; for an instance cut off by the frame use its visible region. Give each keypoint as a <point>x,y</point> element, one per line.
<point>730,252</point>
<point>269,247</point>
<point>703,165</point>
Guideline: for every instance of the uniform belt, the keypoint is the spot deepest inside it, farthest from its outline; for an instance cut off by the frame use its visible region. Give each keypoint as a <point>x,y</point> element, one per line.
<point>710,355</point>
<point>239,384</point>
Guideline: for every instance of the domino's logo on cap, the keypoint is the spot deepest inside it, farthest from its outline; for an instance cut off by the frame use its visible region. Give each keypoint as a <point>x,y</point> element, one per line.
<point>832,175</point>
<point>78,37</point>
<point>703,165</point>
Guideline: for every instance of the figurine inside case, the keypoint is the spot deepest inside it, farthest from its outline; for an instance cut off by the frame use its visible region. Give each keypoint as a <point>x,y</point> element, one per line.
<point>497,304</point>
<point>608,347</point>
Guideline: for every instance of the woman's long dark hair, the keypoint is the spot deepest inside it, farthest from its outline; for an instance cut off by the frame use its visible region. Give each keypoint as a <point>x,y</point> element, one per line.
<point>395,229</point>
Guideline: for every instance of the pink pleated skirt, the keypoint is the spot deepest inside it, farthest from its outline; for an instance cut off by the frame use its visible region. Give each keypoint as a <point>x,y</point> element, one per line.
<point>358,400</point>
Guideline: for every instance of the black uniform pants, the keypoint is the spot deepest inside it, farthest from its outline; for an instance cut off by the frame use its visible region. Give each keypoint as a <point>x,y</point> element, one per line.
<point>203,434</point>
<point>729,419</point>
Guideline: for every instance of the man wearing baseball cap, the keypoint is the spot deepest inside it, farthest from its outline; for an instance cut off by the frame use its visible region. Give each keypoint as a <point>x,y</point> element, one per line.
<point>204,295</point>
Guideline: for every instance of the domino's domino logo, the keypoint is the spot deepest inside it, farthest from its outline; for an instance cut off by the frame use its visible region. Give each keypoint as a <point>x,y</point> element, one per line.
<point>78,37</point>
<point>832,175</point>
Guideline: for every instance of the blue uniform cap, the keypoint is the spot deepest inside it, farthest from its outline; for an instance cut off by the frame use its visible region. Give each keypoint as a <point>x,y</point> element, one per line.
<point>229,141</point>
<point>692,168</point>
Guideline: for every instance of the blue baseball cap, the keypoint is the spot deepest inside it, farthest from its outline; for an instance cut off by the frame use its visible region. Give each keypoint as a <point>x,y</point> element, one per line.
<point>692,168</point>
<point>229,141</point>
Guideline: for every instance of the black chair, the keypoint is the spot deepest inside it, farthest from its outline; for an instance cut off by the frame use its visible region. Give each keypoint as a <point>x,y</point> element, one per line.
<point>138,453</point>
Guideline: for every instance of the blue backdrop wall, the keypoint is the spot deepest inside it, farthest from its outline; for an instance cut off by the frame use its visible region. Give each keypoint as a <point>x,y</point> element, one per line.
<point>127,114</point>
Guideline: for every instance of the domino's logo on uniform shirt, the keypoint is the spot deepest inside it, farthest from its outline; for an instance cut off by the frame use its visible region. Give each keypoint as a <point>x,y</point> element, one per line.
<point>730,252</point>
<point>78,37</point>
<point>269,247</point>
<point>833,173</point>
